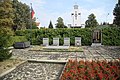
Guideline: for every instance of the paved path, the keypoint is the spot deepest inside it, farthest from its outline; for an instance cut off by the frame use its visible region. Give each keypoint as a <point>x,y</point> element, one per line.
<point>48,71</point>
<point>35,71</point>
<point>89,53</point>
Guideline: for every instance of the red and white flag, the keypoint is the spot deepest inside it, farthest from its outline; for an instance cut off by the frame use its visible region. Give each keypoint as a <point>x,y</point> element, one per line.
<point>32,13</point>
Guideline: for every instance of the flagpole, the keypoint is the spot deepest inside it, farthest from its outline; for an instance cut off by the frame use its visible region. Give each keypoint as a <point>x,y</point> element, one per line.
<point>31,23</point>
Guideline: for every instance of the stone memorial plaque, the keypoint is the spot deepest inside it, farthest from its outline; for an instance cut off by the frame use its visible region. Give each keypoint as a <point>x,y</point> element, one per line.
<point>55,41</point>
<point>77,41</point>
<point>96,37</point>
<point>45,41</point>
<point>66,41</point>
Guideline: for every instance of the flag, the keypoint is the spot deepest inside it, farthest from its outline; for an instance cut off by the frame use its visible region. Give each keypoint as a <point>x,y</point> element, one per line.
<point>32,13</point>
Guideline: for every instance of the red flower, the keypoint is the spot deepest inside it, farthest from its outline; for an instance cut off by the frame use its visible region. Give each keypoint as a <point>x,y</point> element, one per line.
<point>91,70</point>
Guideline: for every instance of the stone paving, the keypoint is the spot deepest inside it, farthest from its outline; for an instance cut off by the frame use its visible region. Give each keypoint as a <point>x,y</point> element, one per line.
<point>48,71</point>
<point>89,53</point>
<point>35,71</point>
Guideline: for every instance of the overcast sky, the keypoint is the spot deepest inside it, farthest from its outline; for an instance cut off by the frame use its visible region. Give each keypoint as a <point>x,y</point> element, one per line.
<point>46,10</point>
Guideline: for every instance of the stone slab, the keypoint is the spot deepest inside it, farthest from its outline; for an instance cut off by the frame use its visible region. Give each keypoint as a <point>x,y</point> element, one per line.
<point>77,41</point>
<point>55,41</point>
<point>96,44</point>
<point>45,41</point>
<point>58,47</point>
<point>66,42</point>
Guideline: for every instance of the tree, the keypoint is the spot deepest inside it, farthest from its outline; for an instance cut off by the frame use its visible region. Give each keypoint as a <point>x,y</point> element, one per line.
<point>105,23</point>
<point>6,22</point>
<point>116,13</point>
<point>34,25</point>
<point>6,14</point>
<point>15,15</point>
<point>6,17</point>
<point>50,25</point>
<point>91,22</point>
<point>60,23</point>
<point>22,15</point>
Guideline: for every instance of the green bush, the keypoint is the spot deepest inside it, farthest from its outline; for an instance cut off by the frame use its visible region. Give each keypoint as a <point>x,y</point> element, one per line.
<point>110,35</point>
<point>38,35</point>
<point>14,39</point>
<point>5,39</point>
<point>4,54</point>
<point>19,38</point>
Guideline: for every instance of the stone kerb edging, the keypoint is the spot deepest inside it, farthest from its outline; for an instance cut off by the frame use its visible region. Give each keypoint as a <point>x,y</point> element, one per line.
<point>48,61</point>
<point>10,70</point>
<point>63,70</point>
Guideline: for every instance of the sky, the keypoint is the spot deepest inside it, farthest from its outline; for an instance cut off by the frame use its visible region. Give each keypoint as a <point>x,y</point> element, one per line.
<point>46,10</point>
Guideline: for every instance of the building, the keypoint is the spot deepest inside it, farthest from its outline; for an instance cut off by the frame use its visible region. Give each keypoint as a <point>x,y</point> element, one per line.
<point>76,17</point>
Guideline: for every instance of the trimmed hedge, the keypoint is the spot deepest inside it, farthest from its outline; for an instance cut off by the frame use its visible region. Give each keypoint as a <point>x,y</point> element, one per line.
<point>14,39</point>
<point>38,35</point>
<point>111,36</point>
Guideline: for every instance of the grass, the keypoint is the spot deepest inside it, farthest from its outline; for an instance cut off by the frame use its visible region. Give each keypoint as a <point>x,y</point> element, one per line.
<point>8,64</point>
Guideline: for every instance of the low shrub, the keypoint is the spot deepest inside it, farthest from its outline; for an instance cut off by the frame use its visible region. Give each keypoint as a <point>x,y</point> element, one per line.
<point>5,41</point>
<point>14,39</point>
<point>19,38</point>
<point>4,54</point>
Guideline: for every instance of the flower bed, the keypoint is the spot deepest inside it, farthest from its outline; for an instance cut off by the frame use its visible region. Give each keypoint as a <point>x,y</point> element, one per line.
<point>95,70</point>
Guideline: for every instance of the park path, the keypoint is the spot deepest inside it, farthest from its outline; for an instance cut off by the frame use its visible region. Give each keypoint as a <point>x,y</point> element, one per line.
<point>52,71</point>
<point>89,53</point>
<point>35,71</point>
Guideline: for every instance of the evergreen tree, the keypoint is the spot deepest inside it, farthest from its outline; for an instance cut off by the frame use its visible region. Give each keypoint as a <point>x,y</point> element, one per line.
<point>6,14</point>
<point>50,25</point>
<point>116,13</point>
<point>6,22</point>
<point>104,23</point>
<point>22,15</point>
<point>91,22</point>
<point>60,23</point>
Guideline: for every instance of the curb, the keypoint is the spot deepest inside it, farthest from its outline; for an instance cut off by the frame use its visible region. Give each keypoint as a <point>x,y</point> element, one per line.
<point>47,61</point>
<point>63,71</point>
<point>8,71</point>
